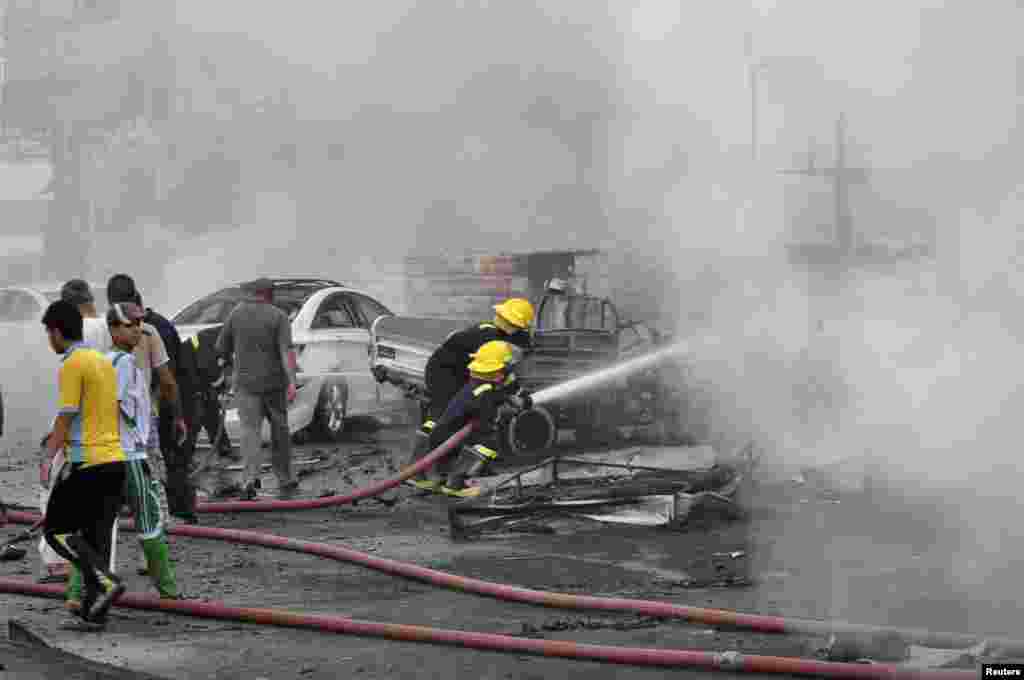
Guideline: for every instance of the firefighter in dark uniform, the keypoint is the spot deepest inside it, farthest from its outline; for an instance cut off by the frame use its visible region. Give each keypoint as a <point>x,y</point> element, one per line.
<point>491,396</point>
<point>203,379</point>
<point>447,372</point>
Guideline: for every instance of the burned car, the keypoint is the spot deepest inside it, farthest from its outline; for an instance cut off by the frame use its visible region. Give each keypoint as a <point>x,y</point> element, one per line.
<point>593,337</point>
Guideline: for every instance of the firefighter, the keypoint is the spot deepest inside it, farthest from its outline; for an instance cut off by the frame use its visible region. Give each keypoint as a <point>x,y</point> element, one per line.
<point>203,378</point>
<point>447,372</point>
<point>491,396</point>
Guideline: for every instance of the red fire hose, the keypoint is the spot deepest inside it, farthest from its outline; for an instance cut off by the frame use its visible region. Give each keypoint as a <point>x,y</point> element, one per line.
<point>634,656</point>
<point>711,617</point>
<point>769,624</point>
<point>331,501</point>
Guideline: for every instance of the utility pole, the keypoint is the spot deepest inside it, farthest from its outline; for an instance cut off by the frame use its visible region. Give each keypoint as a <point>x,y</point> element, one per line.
<point>842,177</point>
<point>753,71</point>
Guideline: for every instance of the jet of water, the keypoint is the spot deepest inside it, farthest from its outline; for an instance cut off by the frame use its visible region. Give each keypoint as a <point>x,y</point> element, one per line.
<point>608,374</point>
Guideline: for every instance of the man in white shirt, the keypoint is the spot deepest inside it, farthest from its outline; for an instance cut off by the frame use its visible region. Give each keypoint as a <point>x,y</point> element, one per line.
<point>95,333</point>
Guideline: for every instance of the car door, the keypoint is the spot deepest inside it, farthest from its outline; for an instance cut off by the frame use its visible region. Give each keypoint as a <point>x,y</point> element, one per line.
<point>388,396</point>
<point>336,344</point>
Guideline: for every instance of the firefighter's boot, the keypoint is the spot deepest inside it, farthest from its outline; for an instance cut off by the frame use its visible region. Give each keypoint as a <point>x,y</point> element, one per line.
<point>472,461</point>
<point>421,447</point>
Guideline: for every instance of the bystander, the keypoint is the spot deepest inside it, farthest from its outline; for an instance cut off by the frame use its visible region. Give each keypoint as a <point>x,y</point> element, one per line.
<point>257,337</point>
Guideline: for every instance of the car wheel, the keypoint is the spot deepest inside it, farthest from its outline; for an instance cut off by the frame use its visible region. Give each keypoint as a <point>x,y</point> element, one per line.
<point>330,411</point>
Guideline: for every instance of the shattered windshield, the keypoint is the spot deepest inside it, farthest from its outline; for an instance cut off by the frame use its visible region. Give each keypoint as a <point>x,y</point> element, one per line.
<point>215,309</point>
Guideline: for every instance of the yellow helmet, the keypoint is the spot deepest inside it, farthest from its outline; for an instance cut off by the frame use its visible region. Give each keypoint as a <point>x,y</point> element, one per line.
<point>492,357</point>
<point>516,311</point>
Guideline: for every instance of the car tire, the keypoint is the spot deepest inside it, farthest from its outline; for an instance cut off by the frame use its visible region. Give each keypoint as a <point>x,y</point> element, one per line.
<point>331,410</point>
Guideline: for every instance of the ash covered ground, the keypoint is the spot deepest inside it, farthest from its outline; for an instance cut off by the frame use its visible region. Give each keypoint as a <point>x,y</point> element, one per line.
<point>879,557</point>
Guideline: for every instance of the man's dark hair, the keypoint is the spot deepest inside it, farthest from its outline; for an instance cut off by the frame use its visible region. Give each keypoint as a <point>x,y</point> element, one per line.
<point>66,318</point>
<point>121,288</point>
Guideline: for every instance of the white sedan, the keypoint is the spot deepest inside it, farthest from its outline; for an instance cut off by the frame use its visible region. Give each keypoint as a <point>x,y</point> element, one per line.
<point>26,304</point>
<point>28,368</point>
<point>331,336</point>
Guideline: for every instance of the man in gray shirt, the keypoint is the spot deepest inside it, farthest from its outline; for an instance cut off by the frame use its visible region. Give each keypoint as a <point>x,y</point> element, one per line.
<point>259,337</point>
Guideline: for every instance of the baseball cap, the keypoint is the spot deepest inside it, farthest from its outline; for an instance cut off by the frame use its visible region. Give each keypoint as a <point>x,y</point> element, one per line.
<point>77,292</point>
<point>124,312</point>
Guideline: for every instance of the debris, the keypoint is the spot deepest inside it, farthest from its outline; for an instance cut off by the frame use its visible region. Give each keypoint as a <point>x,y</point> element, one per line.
<point>853,647</point>
<point>11,553</point>
<point>730,568</point>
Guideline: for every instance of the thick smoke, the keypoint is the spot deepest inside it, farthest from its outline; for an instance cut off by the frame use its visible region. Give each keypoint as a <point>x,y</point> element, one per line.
<point>904,373</point>
<point>460,126</point>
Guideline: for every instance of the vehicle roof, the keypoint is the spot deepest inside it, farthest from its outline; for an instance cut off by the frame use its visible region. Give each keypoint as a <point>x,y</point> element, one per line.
<point>299,281</point>
<point>50,286</point>
<point>314,286</point>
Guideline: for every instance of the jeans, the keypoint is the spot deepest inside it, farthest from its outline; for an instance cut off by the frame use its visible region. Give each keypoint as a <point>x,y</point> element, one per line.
<point>252,409</point>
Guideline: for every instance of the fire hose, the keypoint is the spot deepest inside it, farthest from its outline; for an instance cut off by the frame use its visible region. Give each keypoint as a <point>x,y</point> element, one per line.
<point>634,656</point>
<point>331,501</point>
<point>709,660</point>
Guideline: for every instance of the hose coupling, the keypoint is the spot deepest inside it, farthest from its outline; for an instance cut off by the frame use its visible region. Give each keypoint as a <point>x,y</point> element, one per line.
<point>729,661</point>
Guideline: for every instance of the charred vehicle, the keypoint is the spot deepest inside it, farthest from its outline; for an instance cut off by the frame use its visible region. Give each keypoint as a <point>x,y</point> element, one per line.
<point>589,336</point>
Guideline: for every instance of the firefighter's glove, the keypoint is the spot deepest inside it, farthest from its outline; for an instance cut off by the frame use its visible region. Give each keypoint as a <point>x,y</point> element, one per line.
<point>506,414</point>
<point>520,401</point>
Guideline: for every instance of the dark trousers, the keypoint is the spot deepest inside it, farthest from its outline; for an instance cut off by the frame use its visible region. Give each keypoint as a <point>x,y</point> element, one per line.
<point>181,492</point>
<point>206,414</point>
<point>83,505</point>
<point>442,385</point>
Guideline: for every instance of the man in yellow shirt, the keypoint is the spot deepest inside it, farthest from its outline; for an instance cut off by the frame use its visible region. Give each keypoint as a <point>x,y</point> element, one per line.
<point>87,492</point>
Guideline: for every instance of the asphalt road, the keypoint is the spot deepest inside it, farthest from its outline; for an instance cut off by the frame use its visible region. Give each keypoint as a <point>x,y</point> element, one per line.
<point>878,558</point>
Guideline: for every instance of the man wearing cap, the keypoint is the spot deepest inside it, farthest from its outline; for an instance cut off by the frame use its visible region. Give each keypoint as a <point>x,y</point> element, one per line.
<point>171,412</point>
<point>257,338</point>
<point>154,357</point>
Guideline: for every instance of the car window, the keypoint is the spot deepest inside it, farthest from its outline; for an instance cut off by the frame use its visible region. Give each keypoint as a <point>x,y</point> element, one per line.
<point>609,317</point>
<point>6,301</point>
<point>333,313</point>
<point>553,313</point>
<point>585,313</point>
<point>20,306</point>
<point>206,312</point>
<point>368,309</point>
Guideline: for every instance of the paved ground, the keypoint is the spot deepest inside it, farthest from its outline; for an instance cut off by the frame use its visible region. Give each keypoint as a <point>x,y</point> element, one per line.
<point>872,559</point>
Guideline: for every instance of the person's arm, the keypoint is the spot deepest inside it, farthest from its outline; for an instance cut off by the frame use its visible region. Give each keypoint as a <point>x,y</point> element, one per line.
<point>169,392</point>
<point>70,385</point>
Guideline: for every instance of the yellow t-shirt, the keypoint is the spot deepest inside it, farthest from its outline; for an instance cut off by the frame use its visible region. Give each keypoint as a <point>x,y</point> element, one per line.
<point>88,391</point>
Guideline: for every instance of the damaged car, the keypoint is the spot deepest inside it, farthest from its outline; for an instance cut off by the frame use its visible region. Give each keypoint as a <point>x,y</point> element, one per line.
<point>330,336</point>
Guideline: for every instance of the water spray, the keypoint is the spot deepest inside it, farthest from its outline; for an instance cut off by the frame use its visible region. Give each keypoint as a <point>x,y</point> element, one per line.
<point>608,374</point>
